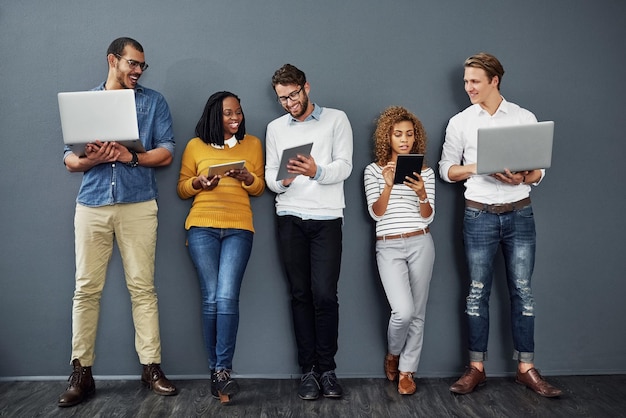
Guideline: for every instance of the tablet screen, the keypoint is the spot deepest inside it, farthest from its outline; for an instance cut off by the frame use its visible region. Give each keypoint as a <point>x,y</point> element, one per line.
<point>406,165</point>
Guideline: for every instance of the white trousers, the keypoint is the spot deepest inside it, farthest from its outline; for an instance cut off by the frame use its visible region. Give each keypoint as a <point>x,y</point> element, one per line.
<point>405,266</point>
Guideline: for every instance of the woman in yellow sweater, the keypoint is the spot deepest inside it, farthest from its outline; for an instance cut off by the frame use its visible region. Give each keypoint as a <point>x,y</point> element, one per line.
<point>219,225</point>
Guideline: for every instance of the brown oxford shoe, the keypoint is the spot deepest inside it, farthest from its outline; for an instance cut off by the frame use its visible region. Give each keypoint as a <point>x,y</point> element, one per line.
<point>391,366</point>
<point>406,384</point>
<point>154,378</point>
<point>533,380</point>
<point>469,381</point>
<point>81,386</point>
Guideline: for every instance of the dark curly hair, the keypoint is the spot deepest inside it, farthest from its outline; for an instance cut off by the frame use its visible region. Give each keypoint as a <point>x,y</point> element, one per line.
<point>382,134</point>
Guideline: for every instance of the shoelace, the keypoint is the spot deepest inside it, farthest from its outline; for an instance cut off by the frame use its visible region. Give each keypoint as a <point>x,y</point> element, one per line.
<point>222,375</point>
<point>155,372</point>
<point>74,378</point>
<point>329,378</point>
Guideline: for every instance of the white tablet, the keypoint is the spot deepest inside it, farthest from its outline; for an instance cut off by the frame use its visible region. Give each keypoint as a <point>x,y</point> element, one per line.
<point>221,169</point>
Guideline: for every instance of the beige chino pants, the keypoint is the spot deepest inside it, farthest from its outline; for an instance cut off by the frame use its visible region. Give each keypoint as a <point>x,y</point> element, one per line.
<point>133,226</point>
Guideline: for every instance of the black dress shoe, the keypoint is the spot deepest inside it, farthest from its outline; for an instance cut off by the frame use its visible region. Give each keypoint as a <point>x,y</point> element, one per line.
<point>309,386</point>
<point>330,386</point>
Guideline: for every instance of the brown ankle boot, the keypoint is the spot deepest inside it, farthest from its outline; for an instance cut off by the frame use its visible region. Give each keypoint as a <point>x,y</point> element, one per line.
<point>81,385</point>
<point>154,378</point>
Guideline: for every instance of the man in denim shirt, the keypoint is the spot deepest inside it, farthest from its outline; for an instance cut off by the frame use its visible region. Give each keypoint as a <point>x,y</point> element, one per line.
<point>117,200</point>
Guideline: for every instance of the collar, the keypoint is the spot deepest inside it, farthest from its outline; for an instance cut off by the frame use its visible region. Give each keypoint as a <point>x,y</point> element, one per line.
<point>231,142</point>
<point>316,114</point>
<point>504,108</point>
<point>139,88</point>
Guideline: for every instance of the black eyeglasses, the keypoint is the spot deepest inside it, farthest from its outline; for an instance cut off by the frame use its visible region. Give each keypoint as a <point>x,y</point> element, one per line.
<point>293,96</point>
<point>134,64</point>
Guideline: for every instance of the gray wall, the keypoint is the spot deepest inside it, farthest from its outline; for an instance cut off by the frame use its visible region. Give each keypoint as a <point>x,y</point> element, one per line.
<point>564,60</point>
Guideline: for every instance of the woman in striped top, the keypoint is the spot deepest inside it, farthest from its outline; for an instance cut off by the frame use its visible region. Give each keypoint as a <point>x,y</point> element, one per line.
<point>405,251</point>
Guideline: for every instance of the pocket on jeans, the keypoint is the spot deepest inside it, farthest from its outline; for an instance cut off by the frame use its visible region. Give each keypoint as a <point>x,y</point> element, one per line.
<point>526,212</point>
<point>472,213</point>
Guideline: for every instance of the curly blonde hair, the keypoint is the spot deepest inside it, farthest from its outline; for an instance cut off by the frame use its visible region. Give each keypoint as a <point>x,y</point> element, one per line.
<point>382,134</point>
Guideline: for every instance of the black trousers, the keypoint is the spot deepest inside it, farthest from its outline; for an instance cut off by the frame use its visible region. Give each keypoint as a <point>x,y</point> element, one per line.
<point>311,254</point>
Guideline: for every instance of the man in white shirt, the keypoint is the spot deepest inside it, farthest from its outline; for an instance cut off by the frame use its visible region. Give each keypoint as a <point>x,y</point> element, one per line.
<point>309,208</point>
<point>498,213</point>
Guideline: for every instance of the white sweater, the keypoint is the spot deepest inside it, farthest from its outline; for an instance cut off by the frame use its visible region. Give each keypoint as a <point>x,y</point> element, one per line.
<point>331,136</point>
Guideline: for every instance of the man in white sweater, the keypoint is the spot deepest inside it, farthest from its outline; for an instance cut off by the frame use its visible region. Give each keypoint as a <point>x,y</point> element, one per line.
<point>309,208</point>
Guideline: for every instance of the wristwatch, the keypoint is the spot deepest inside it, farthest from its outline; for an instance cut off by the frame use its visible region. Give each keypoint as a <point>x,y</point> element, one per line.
<point>135,161</point>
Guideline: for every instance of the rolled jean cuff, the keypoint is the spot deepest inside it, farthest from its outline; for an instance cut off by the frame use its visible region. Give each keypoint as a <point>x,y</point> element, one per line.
<point>477,356</point>
<point>523,357</point>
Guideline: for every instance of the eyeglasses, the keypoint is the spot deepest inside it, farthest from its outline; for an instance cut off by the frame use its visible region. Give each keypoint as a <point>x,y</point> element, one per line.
<point>134,64</point>
<point>293,96</point>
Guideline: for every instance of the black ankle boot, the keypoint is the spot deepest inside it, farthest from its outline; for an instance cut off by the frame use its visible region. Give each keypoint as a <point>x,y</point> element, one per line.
<point>214,385</point>
<point>81,386</point>
<point>226,386</point>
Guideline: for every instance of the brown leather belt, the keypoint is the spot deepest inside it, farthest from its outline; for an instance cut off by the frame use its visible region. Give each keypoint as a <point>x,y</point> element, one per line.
<point>498,208</point>
<point>405,235</point>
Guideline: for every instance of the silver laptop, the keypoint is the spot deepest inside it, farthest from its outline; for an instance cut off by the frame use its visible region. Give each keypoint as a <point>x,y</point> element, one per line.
<point>106,115</point>
<point>517,147</point>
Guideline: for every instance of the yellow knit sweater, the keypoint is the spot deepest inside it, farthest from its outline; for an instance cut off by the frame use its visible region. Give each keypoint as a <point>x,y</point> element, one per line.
<point>228,205</point>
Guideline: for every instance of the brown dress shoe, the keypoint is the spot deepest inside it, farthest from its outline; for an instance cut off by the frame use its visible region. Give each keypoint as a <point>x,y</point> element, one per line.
<point>81,386</point>
<point>406,384</point>
<point>533,380</point>
<point>154,378</point>
<point>391,366</point>
<point>469,381</point>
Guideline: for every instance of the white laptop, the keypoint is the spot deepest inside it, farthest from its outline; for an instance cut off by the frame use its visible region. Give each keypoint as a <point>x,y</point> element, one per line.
<point>517,147</point>
<point>106,115</point>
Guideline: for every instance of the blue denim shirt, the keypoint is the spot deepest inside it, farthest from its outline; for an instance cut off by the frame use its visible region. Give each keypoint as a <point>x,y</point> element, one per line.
<point>111,183</point>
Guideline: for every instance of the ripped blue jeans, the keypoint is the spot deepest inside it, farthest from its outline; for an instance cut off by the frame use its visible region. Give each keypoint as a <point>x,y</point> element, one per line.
<point>483,234</point>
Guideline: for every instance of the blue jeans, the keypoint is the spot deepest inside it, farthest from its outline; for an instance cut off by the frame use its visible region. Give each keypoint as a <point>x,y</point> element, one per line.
<point>220,257</point>
<point>514,232</point>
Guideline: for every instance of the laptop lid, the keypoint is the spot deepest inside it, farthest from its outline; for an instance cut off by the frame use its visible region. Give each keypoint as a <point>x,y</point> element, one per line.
<point>106,115</point>
<point>516,147</point>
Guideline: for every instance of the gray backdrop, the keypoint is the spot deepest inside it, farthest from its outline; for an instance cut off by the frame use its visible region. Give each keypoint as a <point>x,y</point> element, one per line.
<point>564,60</point>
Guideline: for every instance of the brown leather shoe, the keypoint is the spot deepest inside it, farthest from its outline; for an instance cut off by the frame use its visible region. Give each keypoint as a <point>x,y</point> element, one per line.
<point>81,386</point>
<point>533,380</point>
<point>406,384</point>
<point>154,378</point>
<point>469,381</point>
<point>391,366</point>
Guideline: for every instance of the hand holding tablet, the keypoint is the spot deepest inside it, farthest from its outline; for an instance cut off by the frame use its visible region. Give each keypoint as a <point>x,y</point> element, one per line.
<point>406,165</point>
<point>291,154</point>
<point>222,169</point>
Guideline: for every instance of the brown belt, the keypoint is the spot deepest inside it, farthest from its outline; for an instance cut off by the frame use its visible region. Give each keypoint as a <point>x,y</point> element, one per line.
<point>498,208</point>
<point>405,235</point>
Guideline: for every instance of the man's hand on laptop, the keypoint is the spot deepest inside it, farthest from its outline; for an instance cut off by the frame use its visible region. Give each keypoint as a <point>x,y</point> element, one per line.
<point>102,152</point>
<point>511,178</point>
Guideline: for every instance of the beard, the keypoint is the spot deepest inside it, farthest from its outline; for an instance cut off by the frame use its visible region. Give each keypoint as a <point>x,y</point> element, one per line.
<point>304,105</point>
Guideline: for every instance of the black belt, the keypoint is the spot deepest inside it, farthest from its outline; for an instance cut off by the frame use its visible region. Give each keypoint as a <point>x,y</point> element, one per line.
<point>498,208</point>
